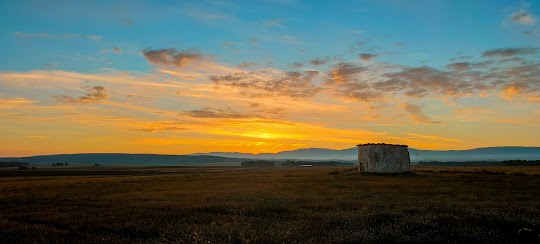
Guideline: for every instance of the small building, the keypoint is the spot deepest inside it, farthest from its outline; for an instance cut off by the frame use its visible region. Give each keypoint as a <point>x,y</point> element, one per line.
<point>307,165</point>
<point>383,158</point>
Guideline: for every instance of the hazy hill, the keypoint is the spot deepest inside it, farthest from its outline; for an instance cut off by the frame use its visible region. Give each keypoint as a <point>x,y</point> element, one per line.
<point>488,153</point>
<point>226,158</point>
<point>123,158</point>
<point>306,153</point>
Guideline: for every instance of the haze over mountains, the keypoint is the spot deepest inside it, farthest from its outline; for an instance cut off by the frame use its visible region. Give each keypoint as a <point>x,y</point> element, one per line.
<point>234,159</point>
<point>487,153</point>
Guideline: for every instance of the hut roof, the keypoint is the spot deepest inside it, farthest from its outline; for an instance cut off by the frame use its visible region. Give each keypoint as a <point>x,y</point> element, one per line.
<point>385,144</point>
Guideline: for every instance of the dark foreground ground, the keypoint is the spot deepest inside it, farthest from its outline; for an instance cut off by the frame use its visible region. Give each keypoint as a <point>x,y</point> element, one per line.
<point>281,205</point>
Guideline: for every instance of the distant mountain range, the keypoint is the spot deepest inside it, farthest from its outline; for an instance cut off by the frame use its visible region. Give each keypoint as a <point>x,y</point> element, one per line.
<point>234,159</point>
<point>127,159</point>
<point>351,154</point>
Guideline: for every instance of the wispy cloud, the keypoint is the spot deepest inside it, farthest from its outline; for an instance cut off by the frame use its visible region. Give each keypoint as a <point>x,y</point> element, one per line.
<point>95,94</point>
<point>459,66</point>
<point>171,57</point>
<point>296,65</point>
<point>15,102</point>
<point>161,125</point>
<point>367,56</point>
<point>245,65</point>
<point>218,114</point>
<point>45,35</point>
<point>522,17</point>
<point>203,15</point>
<point>510,52</point>
<point>273,23</point>
<point>319,61</point>
<point>270,82</point>
<point>417,115</point>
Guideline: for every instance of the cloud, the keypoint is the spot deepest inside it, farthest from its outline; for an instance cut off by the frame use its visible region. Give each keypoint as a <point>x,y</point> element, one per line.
<point>509,52</point>
<point>44,35</point>
<point>273,23</point>
<point>271,82</point>
<point>424,81</point>
<point>227,44</point>
<point>93,37</point>
<point>245,65</point>
<point>459,66</point>
<point>38,137</point>
<point>367,56</point>
<point>218,114</point>
<point>161,125</point>
<point>170,57</point>
<point>378,82</point>
<point>522,17</point>
<point>319,61</point>
<point>416,113</point>
<point>202,15</point>
<point>296,65</point>
<point>535,32</point>
<point>15,102</point>
<point>345,72</point>
<point>351,80</point>
<point>95,94</point>
<point>115,49</point>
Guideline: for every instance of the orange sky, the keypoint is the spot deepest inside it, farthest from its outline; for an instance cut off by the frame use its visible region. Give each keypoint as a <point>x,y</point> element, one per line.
<point>266,76</point>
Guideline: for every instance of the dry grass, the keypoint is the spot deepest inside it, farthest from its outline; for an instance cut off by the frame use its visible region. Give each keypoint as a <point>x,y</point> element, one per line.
<point>236,205</point>
<point>494,170</point>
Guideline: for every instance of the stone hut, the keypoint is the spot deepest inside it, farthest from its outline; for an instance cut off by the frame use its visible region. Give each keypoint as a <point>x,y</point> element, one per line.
<point>383,158</point>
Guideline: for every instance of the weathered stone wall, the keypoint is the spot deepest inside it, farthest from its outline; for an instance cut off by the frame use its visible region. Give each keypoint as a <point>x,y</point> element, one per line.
<point>383,158</point>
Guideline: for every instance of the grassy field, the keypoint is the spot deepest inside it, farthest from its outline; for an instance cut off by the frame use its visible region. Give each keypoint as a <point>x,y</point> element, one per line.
<point>285,205</point>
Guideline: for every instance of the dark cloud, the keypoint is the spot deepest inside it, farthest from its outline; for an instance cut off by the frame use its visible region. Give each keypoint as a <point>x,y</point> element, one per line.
<point>344,72</point>
<point>245,65</point>
<point>417,115</point>
<point>509,52</point>
<point>269,83</point>
<point>345,80</point>
<point>459,66</point>
<point>484,64</point>
<point>423,81</point>
<point>296,65</point>
<point>170,57</point>
<point>508,72</point>
<point>319,61</point>
<point>95,94</point>
<point>367,56</point>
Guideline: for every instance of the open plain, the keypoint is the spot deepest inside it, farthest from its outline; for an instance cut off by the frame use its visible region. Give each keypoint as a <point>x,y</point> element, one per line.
<point>267,205</point>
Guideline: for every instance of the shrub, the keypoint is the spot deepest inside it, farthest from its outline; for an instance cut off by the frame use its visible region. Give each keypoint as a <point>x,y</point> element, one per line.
<point>258,163</point>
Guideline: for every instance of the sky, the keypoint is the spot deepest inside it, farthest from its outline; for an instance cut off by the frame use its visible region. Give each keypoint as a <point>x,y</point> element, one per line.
<point>179,77</point>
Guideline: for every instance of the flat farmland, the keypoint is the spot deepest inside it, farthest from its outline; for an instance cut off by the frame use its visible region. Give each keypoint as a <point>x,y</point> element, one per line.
<point>268,205</point>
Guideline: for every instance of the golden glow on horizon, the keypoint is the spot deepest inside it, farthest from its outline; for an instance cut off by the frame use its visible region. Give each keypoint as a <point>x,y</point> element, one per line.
<point>179,114</point>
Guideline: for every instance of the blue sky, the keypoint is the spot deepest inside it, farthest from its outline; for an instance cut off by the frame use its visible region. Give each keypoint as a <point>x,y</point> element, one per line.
<point>429,73</point>
<point>285,31</point>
